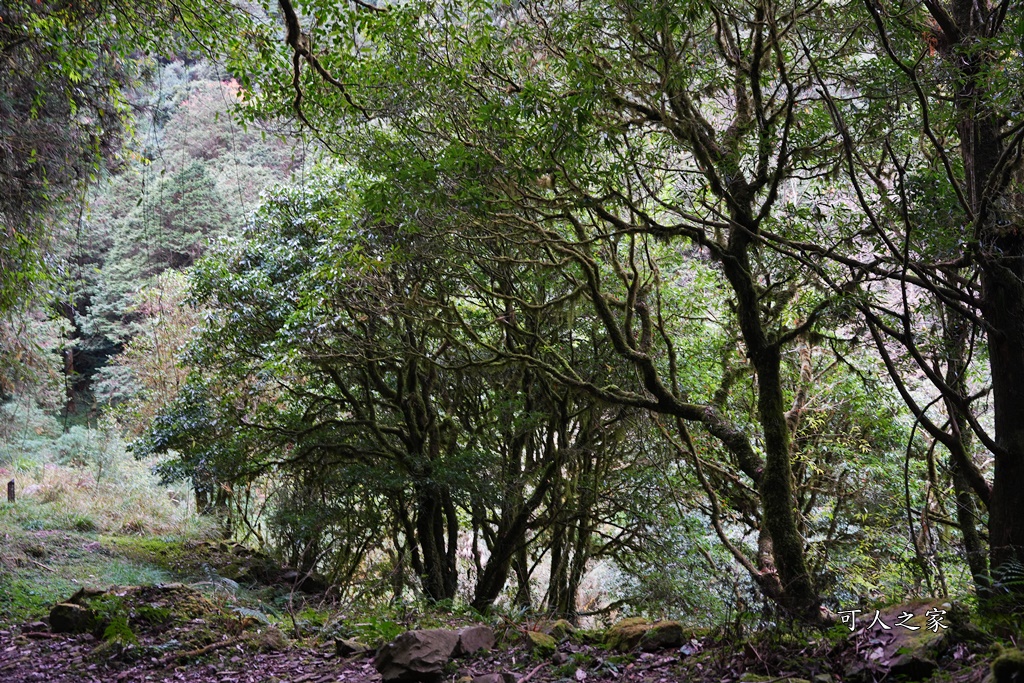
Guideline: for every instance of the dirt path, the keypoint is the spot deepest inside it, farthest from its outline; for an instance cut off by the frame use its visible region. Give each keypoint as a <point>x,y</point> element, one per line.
<point>80,659</point>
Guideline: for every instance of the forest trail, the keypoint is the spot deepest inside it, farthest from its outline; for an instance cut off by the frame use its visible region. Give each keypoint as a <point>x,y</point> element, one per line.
<point>28,654</point>
<point>55,657</point>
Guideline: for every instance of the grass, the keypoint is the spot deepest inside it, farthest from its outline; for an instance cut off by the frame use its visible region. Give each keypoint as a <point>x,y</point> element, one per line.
<point>48,554</point>
<point>79,493</point>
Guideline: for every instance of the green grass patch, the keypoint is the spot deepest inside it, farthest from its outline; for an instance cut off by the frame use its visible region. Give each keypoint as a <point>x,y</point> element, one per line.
<point>46,556</point>
<point>166,552</point>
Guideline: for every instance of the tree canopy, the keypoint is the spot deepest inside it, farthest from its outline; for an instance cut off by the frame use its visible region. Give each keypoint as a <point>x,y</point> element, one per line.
<point>604,280</point>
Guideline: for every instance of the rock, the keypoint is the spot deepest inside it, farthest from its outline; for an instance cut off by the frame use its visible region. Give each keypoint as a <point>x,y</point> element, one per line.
<point>346,647</point>
<point>416,656</point>
<point>1008,667</point>
<point>560,630</point>
<point>84,595</point>
<point>473,639</point>
<point>540,643</point>
<point>68,617</point>
<point>503,677</point>
<point>270,639</point>
<point>489,678</point>
<point>34,627</point>
<point>559,658</point>
<point>896,652</point>
<point>757,678</point>
<point>307,583</point>
<point>629,634</point>
<point>586,636</point>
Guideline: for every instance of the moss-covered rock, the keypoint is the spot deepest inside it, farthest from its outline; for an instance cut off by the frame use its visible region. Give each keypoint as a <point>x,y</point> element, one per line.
<point>1008,667</point>
<point>349,647</point>
<point>588,636</point>
<point>68,617</point>
<point>635,632</point>
<point>154,607</point>
<point>540,643</point>
<point>560,629</point>
<point>270,639</point>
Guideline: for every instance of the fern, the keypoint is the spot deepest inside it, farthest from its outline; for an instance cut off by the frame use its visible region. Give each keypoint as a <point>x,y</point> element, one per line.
<point>252,614</point>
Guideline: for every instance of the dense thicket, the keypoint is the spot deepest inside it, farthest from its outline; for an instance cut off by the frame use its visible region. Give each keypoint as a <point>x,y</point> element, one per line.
<point>411,393</point>
<point>584,134</point>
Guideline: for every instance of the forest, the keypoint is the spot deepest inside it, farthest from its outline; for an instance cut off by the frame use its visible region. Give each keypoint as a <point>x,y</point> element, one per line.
<point>664,340</point>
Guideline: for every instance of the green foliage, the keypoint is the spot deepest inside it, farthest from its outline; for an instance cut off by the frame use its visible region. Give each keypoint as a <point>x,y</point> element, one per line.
<point>154,615</point>
<point>61,121</point>
<point>82,447</point>
<point>570,291</point>
<point>605,240</point>
<point>30,370</point>
<point>118,631</point>
<point>191,176</point>
<point>145,377</point>
<point>376,631</point>
<point>26,433</point>
<point>256,614</point>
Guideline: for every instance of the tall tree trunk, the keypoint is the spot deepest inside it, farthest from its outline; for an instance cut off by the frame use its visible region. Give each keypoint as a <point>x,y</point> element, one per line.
<point>956,332</point>
<point>1004,314</point>
<point>1001,259</point>
<point>509,539</point>
<point>788,582</point>
<point>439,577</point>
<point>521,566</point>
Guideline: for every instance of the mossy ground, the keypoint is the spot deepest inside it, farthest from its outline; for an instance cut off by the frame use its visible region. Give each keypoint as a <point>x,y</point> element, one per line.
<point>46,555</point>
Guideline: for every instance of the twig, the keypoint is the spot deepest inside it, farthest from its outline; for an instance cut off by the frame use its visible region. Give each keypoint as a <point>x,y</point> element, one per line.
<point>42,566</point>
<point>201,651</point>
<point>527,677</point>
<point>40,635</point>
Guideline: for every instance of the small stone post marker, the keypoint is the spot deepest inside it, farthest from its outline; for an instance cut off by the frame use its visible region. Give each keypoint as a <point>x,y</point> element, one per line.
<point>10,491</point>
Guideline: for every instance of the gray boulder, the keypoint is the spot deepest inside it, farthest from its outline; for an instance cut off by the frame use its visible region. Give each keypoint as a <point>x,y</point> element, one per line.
<point>347,647</point>
<point>416,656</point>
<point>473,639</point>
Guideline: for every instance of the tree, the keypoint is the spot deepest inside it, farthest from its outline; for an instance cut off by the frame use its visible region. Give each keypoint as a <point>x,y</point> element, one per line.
<point>190,175</point>
<point>591,133</point>
<point>64,110</point>
<point>61,118</point>
<point>342,362</point>
<point>941,197</point>
<point>147,376</point>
